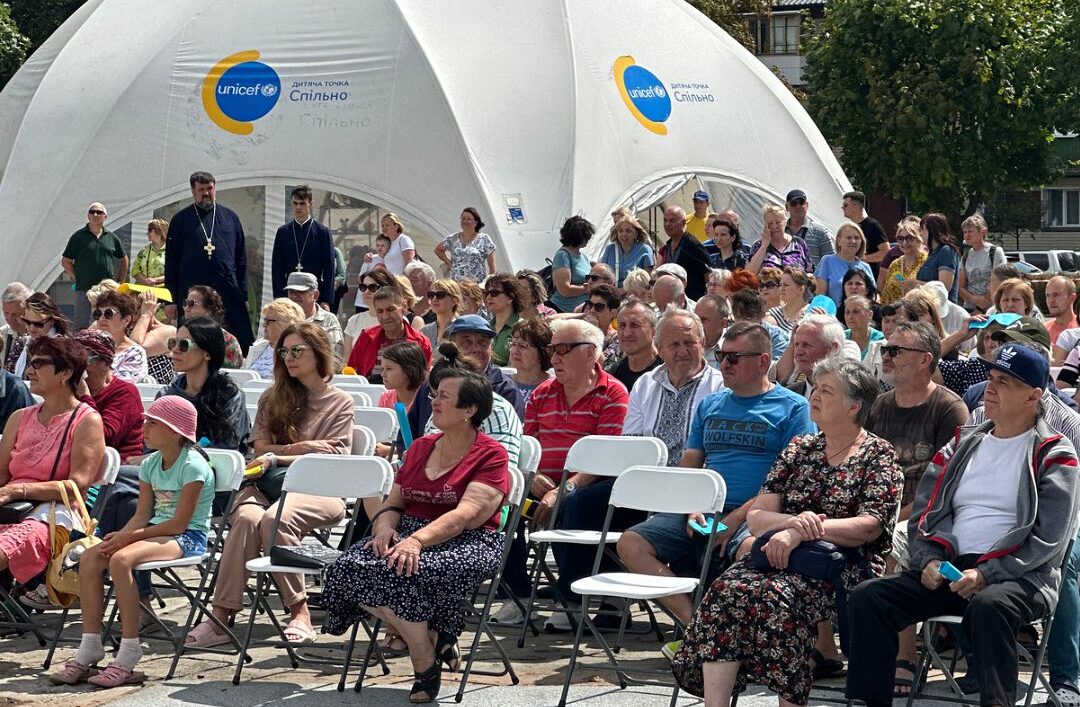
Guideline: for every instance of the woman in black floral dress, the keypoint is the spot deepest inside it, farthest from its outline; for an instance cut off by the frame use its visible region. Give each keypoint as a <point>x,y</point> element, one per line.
<point>841,485</point>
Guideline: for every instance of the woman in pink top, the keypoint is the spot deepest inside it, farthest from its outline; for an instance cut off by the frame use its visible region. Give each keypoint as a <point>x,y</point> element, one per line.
<point>60,438</point>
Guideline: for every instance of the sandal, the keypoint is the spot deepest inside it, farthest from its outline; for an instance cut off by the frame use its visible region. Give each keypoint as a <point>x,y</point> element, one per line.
<point>73,673</point>
<point>825,668</point>
<point>117,676</point>
<point>426,686</point>
<point>205,636</point>
<point>387,649</point>
<point>448,652</point>
<point>300,635</point>
<point>902,686</point>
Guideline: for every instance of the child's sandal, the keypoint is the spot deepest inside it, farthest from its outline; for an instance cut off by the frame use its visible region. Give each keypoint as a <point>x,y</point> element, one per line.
<point>117,676</point>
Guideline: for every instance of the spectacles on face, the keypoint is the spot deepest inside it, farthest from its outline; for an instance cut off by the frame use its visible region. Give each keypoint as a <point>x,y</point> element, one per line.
<point>40,324</point>
<point>295,351</point>
<point>96,212</point>
<point>732,357</point>
<point>181,345</point>
<point>37,363</point>
<point>192,303</point>
<point>493,293</point>
<point>108,313</point>
<point>370,288</point>
<point>519,344</point>
<point>770,285</point>
<point>438,294</point>
<point>893,350</point>
<point>906,239</point>
<point>598,306</point>
<point>563,349</point>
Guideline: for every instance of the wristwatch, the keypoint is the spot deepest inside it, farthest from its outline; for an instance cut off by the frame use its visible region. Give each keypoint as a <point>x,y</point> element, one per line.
<point>570,486</point>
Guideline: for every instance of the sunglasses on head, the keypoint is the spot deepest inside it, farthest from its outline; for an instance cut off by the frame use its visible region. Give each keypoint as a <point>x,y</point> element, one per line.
<point>294,351</point>
<point>438,294</point>
<point>36,324</point>
<point>191,303</point>
<point>893,350</point>
<point>37,363</point>
<point>181,345</point>
<point>732,357</point>
<point>598,306</point>
<point>563,349</point>
<point>108,313</point>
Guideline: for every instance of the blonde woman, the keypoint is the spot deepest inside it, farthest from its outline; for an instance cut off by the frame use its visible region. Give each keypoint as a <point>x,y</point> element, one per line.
<point>629,249</point>
<point>277,316</point>
<point>444,297</point>
<point>831,269</point>
<point>777,248</point>
<point>1014,296</point>
<point>638,284</point>
<point>402,250</point>
<point>904,268</point>
<point>148,267</point>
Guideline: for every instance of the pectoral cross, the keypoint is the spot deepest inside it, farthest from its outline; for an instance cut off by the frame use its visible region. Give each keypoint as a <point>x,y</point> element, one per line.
<point>209,248</point>
<point>299,267</point>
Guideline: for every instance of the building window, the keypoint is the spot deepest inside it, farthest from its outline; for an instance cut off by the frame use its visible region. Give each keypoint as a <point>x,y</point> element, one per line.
<point>1062,207</point>
<point>785,34</point>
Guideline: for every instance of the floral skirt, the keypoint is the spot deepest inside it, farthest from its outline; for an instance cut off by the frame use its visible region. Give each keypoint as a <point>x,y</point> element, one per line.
<point>449,573</point>
<point>765,622</point>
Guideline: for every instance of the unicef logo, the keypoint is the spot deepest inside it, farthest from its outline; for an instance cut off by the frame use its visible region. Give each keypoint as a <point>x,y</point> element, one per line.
<point>643,93</point>
<point>239,90</point>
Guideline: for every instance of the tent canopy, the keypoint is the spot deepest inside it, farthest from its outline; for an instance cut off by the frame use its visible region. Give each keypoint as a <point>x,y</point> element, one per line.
<point>529,111</point>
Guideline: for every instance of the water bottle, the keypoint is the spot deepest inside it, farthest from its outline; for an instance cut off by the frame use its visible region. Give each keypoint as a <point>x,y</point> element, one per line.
<point>74,555</point>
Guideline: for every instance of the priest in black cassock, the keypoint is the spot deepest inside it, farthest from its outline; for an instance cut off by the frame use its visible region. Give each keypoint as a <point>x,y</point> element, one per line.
<point>205,246</point>
<point>303,245</point>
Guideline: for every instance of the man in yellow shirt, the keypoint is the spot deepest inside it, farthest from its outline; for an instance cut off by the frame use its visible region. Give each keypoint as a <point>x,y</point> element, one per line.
<point>695,222</point>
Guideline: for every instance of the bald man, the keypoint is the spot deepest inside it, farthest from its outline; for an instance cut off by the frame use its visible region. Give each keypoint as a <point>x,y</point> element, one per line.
<point>684,251</point>
<point>93,254</point>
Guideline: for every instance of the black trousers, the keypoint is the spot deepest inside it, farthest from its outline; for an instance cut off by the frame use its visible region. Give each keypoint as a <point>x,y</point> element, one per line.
<point>880,608</point>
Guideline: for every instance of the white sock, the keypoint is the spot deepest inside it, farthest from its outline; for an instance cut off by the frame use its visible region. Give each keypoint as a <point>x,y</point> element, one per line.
<point>130,653</point>
<point>90,649</point>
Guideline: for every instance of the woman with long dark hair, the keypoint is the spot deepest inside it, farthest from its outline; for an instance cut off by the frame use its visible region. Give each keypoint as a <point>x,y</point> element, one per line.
<point>203,301</point>
<point>944,258</point>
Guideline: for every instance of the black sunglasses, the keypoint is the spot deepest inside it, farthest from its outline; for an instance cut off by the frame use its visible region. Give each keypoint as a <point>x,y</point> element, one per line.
<point>732,357</point>
<point>370,288</point>
<point>893,350</point>
<point>190,303</point>
<point>770,285</point>
<point>598,306</point>
<point>438,294</point>
<point>37,325</point>
<point>181,345</point>
<point>563,349</point>
<point>493,293</point>
<point>598,278</point>
<point>108,313</point>
<point>96,212</point>
<point>37,363</point>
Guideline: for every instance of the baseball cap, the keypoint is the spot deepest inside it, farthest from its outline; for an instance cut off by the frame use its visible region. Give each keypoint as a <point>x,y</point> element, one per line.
<point>1026,330</point>
<point>701,195</point>
<point>673,269</point>
<point>176,413</point>
<point>301,281</point>
<point>795,194</point>
<point>471,323</point>
<point>1001,318</point>
<point>823,302</point>
<point>1023,364</point>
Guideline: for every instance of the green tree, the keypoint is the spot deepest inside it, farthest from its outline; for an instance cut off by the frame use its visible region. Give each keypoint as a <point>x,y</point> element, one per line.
<point>38,19</point>
<point>14,46</point>
<point>942,101</point>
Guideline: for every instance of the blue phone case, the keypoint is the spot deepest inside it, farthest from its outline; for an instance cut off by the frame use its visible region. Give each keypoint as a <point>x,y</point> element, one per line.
<point>708,527</point>
<point>948,571</point>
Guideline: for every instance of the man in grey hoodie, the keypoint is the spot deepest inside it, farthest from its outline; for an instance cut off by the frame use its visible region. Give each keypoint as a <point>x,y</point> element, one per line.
<point>1000,503</point>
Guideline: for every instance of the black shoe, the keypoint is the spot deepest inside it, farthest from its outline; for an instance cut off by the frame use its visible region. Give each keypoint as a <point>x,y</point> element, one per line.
<point>448,652</point>
<point>969,684</point>
<point>610,621</point>
<point>426,684</point>
<point>825,668</point>
<point>546,593</point>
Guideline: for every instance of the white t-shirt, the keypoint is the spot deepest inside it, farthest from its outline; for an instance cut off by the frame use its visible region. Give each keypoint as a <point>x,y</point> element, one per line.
<point>394,260</point>
<point>1068,339</point>
<point>984,505</point>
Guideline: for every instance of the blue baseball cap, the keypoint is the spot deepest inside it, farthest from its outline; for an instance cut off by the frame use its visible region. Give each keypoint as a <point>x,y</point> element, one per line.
<point>471,323</point>
<point>1003,318</point>
<point>701,195</point>
<point>824,302</point>
<point>1023,364</point>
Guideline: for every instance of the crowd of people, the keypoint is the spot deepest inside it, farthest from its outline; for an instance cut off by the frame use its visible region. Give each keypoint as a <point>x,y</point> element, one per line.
<point>892,398</point>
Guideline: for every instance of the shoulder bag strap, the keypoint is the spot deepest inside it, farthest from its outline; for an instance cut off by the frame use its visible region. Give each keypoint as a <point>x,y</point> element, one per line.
<point>63,440</point>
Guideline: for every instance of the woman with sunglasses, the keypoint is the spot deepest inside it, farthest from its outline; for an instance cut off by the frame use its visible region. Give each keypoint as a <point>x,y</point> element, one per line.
<point>503,298</point>
<point>42,318</point>
<point>444,297</point>
<point>600,309</point>
<point>153,335</point>
<point>903,269</point>
<point>301,413</point>
<point>370,283</point>
<point>278,315</point>
<point>769,286</point>
<point>114,314</point>
<point>203,301</point>
<point>529,355</point>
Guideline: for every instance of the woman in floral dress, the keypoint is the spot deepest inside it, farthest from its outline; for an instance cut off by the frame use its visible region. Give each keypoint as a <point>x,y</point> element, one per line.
<point>842,486</point>
<point>470,253</point>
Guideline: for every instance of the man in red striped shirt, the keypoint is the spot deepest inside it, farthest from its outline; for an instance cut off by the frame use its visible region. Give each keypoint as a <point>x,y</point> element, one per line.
<point>582,399</point>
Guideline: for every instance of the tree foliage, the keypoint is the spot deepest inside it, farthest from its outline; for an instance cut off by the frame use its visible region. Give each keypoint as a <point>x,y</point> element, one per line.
<point>942,101</point>
<point>14,46</point>
<point>38,19</point>
<point>730,16</point>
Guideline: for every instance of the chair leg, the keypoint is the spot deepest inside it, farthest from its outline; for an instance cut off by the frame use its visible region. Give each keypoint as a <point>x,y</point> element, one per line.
<point>348,658</point>
<point>372,641</point>
<point>56,638</point>
<point>541,550</point>
<point>250,628</point>
<point>573,653</point>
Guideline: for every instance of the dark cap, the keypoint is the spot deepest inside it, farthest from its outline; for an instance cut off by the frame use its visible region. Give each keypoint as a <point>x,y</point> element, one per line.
<point>701,195</point>
<point>795,194</point>
<point>1023,364</point>
<point>1026,330</point>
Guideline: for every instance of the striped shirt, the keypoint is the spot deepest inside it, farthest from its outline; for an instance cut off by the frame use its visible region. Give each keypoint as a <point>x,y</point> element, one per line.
<point>601,411</point>
<point>502,425</point>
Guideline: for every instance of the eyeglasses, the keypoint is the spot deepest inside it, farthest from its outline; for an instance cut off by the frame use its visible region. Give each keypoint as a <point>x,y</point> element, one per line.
<point>37,363</point>
<point>294,351</point>
<point>770,285</point>
<point>181,345</point>
<point>732,357</point>
<point>598,278</point>
<point>493,293</point>
<point>906,239</point>
<point>598,306</point>
<point>519,344</point>
<point>370,288</point>
<point>438,294</point>
<point>563,349</point>
<point>96,212</point>
<point>108,313</point>
<point>36,324</point>
<point>192,303</point>
<point>893,350</point>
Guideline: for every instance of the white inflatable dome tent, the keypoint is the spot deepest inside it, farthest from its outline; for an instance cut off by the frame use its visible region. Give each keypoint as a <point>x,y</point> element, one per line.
<point>529,111</point>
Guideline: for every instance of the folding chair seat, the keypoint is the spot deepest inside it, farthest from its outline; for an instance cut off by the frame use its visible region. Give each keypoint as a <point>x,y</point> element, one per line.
<point>329,476</point>
<point>259,384</point>
<point>658,489</point>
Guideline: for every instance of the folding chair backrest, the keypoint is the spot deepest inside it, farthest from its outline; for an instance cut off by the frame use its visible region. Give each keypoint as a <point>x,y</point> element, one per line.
<point>241,376</point>
<point>146,400</point>
<point>149,390</point>
<point>611,455</point>
<point>37,398</point>
<point>369,389</point>
<point>669,490</point>
<point>360,400</point>
<point>363,441</point>
<point>382,421</point>
<point>253,395</point>
<point>518,489</point>
<point>228,465</point>
<point>529,458</point>
<point>338,475</point>
<point>343,378</point>
<point>258,384</point>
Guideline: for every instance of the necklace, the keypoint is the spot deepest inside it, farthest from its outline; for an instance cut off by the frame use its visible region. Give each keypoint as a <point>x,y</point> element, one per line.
<point>209,247</point>
<point>299,250</point>
<point>859,436</point>
<point>442,466</point>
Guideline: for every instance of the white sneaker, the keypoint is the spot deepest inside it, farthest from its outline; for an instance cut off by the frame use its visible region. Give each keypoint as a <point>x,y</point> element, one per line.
<point>510,615</point>
<point>559,622</point>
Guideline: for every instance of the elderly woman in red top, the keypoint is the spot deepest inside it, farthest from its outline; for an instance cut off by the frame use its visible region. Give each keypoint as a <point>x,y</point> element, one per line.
<point>389,307</point>
<point>435,538</point>
<point>582,399</point>
<point>60,438</point>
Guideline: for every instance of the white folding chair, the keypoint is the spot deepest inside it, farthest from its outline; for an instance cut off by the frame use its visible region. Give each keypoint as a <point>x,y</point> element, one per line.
<point>372,390</point>
<point>241,376</point>
<point>599,455</point>
<point>146,400</point>
<point>363,441</point>
<point>149,390</point>
<point>259,384</point>
<point>252,396</point>
<point>508,370</point>
<point>360,399</point>
<point>382,421</point>
<point>37,398</point>
<point>329,476</point>
<point>345,378</point>
<point>658,489</point>
<point>529,458</point>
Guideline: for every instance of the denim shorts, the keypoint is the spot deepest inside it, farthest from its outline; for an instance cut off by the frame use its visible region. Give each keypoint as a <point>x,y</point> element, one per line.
<point>192,542</point>
<point>666,532</point>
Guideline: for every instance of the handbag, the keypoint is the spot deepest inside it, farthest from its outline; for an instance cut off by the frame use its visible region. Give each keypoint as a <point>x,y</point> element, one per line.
<point>816,559</point>
<point>315,557</point>
<point>270,483</point>
<point>62,579</point>
<point>15,512</point>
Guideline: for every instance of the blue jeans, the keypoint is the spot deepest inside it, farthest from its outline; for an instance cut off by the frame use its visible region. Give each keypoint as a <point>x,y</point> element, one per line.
<point>1064,642</point>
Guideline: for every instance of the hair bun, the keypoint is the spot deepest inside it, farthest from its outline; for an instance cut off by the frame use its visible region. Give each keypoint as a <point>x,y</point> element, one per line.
<point>449,351</point>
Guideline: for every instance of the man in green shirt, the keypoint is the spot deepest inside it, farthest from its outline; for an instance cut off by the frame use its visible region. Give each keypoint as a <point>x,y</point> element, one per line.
<point>93,254</point>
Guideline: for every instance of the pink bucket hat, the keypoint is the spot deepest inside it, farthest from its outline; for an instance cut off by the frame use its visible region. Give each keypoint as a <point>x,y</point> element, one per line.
<point>176,413</point>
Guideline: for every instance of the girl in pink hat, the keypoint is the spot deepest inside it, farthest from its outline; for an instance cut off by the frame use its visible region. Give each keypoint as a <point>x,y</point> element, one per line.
<point>176,492</point>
